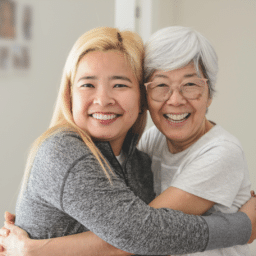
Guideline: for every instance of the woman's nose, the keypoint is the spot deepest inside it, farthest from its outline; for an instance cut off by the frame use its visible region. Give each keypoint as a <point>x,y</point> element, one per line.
<point>104,97</point>
<point>176,98</point>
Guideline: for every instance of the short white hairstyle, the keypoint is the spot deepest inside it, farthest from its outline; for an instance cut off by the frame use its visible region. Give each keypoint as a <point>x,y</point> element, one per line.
<point>175,47</point>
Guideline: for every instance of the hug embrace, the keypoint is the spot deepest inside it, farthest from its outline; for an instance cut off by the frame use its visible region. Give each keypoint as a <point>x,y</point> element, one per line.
<point>95,184</point>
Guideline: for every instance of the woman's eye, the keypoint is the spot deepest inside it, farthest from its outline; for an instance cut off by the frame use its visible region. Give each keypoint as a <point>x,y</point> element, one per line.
<point>120,85</point>
<point>161,85</point>
<point>87,85</point>
<point>190,84</point>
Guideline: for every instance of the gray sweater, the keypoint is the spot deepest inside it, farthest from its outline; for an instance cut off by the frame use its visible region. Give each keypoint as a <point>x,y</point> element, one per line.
<point>69,193</point>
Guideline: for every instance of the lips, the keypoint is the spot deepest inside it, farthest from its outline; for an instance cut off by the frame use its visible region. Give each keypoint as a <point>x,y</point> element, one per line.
<point>177,118</point>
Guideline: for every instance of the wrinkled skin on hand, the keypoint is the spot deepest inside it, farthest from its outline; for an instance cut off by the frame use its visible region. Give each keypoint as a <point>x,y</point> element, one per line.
<point>12,238</point>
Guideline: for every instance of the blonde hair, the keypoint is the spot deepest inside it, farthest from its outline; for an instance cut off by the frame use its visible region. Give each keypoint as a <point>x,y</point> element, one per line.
<point>99,39</point>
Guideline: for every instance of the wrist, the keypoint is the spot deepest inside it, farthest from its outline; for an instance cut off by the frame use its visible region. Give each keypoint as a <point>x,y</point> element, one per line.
<point>33,247</point>
<point>29,247</point>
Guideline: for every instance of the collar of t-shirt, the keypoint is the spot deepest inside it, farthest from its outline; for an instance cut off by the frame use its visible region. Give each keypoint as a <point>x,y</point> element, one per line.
<point>121,158</point>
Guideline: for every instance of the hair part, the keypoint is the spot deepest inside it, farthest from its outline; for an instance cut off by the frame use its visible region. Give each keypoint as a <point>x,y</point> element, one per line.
<point>175,47</point>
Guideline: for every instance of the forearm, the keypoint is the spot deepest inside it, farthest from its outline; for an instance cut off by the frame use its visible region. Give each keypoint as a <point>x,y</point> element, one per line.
<point>83,244</point>
<point>225,230</point>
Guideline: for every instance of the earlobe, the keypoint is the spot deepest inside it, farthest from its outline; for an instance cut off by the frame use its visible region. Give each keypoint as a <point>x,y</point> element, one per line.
<point>209,102</point>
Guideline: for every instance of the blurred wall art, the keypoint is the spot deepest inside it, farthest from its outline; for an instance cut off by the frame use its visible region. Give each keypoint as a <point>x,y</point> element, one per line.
<point>15,37</point>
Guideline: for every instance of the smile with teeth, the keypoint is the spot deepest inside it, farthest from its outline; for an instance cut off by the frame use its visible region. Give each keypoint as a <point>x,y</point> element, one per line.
<point>104,116</point>
<point>177,118</point>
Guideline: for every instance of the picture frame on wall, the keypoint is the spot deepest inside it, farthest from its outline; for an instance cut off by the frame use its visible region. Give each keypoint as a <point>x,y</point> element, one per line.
<point>15,37</point>
<point>7,19</point>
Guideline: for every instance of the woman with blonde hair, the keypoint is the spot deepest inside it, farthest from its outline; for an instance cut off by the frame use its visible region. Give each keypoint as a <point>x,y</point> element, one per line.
<point>86,174</point>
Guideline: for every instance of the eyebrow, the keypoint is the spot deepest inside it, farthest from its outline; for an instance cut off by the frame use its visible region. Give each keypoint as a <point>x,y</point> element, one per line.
<point>120,78</point>
<point>87,78</point>
<point>160,75</point>
<point>190,75</point>
<point>110,78</point>
<point>185,76</point>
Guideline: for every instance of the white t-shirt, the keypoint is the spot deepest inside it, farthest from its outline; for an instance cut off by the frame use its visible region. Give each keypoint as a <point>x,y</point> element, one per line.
<point>121,158</point>
<point>213,168</point>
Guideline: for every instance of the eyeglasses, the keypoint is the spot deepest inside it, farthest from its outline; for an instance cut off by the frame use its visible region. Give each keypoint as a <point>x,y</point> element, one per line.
<point>191,89</point>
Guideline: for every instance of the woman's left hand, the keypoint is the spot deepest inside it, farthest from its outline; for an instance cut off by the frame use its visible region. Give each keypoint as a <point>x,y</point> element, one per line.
<point>12,240</point>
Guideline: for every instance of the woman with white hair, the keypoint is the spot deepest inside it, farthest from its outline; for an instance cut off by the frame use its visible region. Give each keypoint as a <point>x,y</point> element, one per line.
<point>181,87</point>
<point>199,168</point>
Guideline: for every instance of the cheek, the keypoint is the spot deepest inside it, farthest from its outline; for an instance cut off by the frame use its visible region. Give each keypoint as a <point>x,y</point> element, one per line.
<point>154,108</point>
<point>133,99</point>
<point>80,101</point>
<point>133,105</point>
<point>79,108</point>
<point>200,110</point>
<point>75,105</point>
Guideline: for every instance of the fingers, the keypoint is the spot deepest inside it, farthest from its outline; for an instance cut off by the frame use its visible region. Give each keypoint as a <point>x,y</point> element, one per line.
<point>2,250</point>
<point>253,199</point>
<point>253,193</point>
<point>9,217</point>
<point>8,225</point>
<point>4,232</point>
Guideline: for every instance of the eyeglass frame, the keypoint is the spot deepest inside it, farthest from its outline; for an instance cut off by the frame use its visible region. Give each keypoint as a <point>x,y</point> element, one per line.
<point>170,91</point>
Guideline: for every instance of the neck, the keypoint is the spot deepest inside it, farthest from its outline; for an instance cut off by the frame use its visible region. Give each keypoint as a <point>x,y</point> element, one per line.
<point>178,146</point>
<point>116,146</point>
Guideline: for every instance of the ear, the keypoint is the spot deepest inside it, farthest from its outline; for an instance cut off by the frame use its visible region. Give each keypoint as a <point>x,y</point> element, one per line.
<point>209,102</point>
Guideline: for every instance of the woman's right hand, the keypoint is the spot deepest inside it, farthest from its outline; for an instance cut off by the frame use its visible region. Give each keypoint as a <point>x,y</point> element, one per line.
<point>12,238</point>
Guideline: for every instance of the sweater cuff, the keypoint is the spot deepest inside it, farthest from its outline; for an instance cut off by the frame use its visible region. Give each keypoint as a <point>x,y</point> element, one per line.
<point>226,230</point>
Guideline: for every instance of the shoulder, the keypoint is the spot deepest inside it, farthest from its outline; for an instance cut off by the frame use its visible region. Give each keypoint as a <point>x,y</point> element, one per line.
<point>216,153</point>
<point>56,158</point>
<point>218,133</point>
<point>219,139</point>
<point>63,143</point>
<point>151,139</point>
<point>58,153</point>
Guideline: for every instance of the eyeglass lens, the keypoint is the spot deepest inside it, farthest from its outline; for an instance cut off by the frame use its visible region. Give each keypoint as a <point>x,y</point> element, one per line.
<point>189,89</point>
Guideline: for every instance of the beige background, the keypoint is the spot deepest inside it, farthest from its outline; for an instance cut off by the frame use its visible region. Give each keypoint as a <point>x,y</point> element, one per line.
<point>27,100</point>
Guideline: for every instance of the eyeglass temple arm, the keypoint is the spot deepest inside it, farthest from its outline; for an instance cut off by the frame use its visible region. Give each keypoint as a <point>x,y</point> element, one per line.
<point>146,84</point>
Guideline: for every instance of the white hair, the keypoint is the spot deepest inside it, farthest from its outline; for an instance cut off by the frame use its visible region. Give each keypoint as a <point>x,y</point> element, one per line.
<point>175,47</point>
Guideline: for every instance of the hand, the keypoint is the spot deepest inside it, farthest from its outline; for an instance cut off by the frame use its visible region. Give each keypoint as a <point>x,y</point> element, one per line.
<point>250,209</point>
<point>9,217</point>
<point>12,240</point>
<point>5,232</point>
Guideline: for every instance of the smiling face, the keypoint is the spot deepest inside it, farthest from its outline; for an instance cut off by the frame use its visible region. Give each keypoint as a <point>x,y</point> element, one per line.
<point>181,120</point>
<point>105,97</point>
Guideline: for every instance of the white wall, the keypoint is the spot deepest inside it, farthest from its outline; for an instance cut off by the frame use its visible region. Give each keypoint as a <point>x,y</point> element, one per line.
<point>26,101</point>
<point>230,25</point>
<point>125,14</point>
